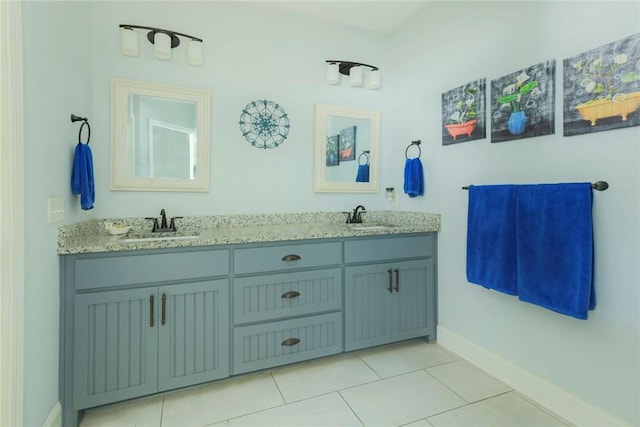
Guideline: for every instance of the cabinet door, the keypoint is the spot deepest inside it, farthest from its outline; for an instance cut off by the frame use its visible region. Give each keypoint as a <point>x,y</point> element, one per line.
<point>367,306</point>
<point>193,324</point>
<point>414,295</point>
<point>115,346</point>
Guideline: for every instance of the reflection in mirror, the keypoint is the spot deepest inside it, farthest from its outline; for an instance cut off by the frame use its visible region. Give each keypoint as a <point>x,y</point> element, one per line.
<point>160,137</point>
<point>347,149</point>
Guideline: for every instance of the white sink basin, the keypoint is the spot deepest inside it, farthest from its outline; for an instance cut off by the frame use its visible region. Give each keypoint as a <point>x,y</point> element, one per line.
<point>158,238</point>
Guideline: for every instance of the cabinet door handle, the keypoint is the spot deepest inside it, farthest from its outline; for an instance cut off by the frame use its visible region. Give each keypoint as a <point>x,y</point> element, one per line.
<point>291,257</point>
<point>290,341</point>
<point>151,304</point>
<point>290,294</point>
<point>390,288</point>
<point>397,279</point>
<point>164,308</point>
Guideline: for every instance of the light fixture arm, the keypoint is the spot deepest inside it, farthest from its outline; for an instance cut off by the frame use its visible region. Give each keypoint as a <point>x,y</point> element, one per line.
<point>345,66</point>
<point>175,41</point>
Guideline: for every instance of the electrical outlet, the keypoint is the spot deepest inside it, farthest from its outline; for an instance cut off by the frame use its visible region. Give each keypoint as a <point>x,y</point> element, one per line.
<point>56,209</point>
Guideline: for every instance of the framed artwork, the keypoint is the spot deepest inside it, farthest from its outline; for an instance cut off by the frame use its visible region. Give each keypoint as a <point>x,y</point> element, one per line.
<point>602,88</point>
<point>333,144</point>
<point>347,144</point>
<point>523,103</point>
<point>464,113</point>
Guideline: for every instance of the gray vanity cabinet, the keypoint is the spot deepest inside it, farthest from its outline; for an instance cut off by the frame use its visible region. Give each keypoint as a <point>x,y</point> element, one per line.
<point>390,292</point>
<point>137,323</point>
<point>135,342</point>
<point>287,304</point>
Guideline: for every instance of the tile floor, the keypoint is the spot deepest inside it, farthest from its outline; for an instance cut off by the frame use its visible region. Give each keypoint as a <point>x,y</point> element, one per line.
<point>407,384</point>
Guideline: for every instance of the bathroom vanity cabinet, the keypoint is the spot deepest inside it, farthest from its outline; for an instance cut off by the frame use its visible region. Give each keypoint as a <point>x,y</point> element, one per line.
<point>287,304</point>
<point>390,292</point>
<point>135,323</point>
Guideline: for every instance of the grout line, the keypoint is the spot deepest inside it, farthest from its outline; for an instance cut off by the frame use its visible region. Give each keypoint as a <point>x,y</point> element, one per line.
<point>350,408</point>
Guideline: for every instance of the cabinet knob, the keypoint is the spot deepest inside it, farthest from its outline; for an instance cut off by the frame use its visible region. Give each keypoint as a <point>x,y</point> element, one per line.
<point>290,341</point>
<point>291,257</point>
<point>290,294</point>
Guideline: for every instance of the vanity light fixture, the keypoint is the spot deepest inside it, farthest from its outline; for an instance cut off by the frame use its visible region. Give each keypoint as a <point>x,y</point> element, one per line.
<point>163,41</point>
<point>355,72</point>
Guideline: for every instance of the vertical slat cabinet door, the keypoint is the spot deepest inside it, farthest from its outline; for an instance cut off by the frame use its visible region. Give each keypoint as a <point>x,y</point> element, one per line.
<point>194,333</point>
<point>367,306</point>
<point>115,346</point>
<point>413,297</point>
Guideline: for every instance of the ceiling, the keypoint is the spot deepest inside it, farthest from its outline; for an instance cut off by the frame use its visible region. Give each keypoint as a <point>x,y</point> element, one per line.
<point>379,16</point>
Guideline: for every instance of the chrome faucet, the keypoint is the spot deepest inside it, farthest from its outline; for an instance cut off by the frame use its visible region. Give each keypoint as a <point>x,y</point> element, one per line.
<point>163,226</point>
<point>356,216</point>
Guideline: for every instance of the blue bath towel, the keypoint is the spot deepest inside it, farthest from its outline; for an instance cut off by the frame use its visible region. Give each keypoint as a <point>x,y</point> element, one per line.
<point>363,173</point>
<point>82,176</point>
<point>491,237</point>
<point>555,247</point>
<point>413,177</point>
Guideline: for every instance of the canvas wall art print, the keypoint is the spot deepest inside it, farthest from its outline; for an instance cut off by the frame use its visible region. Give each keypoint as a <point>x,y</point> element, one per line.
<point>523,103</point>
<point>333,158</point>
<point>348,144</point>
<point>464,113</point>
<point>602,88</point>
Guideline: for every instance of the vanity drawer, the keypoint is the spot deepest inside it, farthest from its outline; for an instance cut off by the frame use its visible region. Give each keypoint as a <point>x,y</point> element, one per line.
<point>368,250</point>
<point>273,296</point>
<point>135,268</point>
<point>278,343</point>
<point>286,257</point>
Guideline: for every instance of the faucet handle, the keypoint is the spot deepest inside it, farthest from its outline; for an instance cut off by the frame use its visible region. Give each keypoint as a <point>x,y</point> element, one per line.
<point>172,224</point>
<point>348,217</point>
<point>155,223</point>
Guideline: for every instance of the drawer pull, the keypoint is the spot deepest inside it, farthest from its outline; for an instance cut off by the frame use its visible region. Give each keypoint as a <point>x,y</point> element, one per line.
<point>290,341</point>
<point>290,294</point>
<point>151,311</point>
<point>390,288</point>
<point>291,257</point>
<point>397,280</point>
<point>164,308</point>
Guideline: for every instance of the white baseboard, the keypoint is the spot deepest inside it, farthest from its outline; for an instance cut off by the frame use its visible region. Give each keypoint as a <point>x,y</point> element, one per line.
<point>552,397</point>
<point>55,417</point>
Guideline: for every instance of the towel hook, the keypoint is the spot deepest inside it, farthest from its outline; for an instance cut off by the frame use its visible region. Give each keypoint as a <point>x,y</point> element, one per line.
<point>365,153</point>
<point>417,144</point>
<point>85,122</point>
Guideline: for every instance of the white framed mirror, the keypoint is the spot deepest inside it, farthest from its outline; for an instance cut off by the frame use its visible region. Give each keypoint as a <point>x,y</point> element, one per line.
<point>347,149</point>
<point>160,137</point>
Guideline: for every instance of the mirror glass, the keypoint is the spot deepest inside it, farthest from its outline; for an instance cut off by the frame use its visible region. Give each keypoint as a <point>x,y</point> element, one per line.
<point>160,137</point>
<point>347,148</point>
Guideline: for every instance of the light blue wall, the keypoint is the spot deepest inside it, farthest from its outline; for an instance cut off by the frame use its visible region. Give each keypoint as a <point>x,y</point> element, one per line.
<point>57,82</point>
<point>72,53</point>
<point>453,43</point>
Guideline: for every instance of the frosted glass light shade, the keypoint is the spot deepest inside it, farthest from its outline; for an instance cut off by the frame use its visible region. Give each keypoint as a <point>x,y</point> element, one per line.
<point>129,42</point>
<point>162,45</point>
<point>374,79</point>
<point>355,75</point>
<point>194,52</point>
<point>333,74</point>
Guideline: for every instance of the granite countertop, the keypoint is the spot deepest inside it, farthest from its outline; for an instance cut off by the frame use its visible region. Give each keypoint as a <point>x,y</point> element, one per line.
<point>92,236</point>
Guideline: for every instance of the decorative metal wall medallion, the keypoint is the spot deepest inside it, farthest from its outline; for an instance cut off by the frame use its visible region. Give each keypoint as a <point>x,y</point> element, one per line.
<point>264,124</point>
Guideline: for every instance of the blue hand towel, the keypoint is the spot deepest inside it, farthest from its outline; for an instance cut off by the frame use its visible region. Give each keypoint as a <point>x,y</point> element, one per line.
<point>363,173</point>
<point>413,177</point>
<point>491,237</point>
<point>82,176</point>
<point>555,247</point>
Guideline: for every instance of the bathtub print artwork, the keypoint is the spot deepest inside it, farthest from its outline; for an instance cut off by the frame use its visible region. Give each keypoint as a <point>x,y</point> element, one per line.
<point>602,88</point>
<point>523,103</point>
<point>463,113</point>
